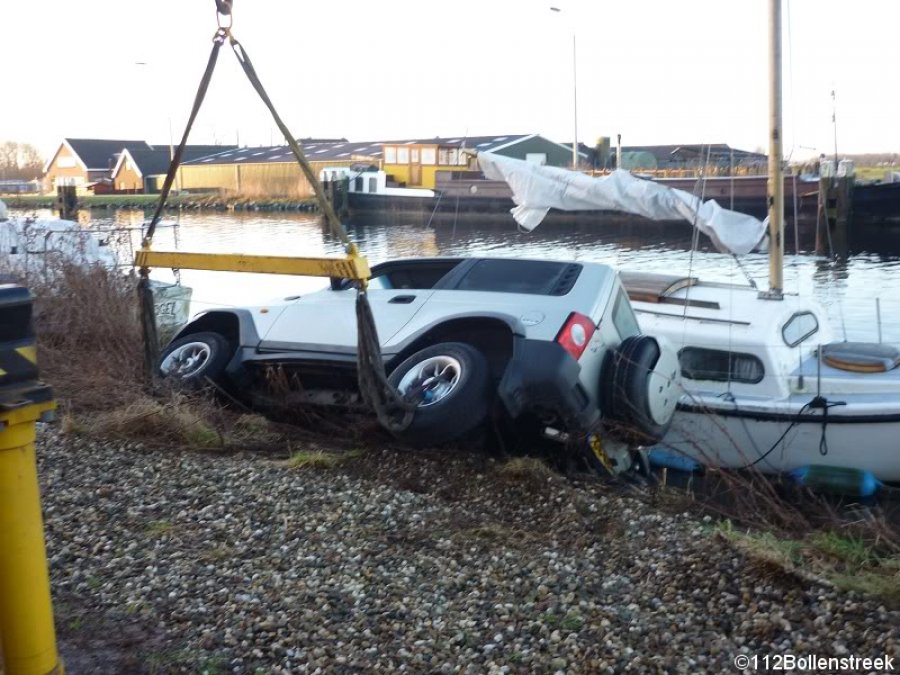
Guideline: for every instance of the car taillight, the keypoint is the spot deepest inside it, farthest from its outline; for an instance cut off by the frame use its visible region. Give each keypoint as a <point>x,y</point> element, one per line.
<point>575,334</point>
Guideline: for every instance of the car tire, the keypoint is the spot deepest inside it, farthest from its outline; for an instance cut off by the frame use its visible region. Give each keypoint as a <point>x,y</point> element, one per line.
<point>196,360</point>
<point>459,401</point>
<point>625,394</point>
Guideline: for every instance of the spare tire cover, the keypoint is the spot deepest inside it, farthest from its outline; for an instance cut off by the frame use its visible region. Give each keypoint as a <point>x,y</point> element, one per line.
<point>639,389</point>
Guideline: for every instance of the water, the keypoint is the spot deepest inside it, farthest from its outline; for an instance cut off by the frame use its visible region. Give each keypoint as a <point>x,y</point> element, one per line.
<point>848,289</point>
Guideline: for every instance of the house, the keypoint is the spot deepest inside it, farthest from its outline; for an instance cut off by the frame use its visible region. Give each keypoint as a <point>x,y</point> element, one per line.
<point>272,171</point>
<point>144,170</point>
<point>15,186</point>
<point>414,163</point>
<point>83,162</point>
<point>718,156</point>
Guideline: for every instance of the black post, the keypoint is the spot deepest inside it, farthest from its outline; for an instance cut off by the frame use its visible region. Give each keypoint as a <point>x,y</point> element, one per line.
<point>66,201</point>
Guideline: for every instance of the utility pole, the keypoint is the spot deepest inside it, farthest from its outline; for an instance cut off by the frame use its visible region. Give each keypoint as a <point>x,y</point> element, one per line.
<point>557,10</point>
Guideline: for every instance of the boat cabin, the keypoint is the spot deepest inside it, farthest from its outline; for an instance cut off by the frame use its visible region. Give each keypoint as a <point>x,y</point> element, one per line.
<point>767,340</point>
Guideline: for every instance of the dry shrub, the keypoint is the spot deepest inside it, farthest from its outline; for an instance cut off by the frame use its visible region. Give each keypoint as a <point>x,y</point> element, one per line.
<point>317,458</point>
<point>526,470</point>
<point>253,432</point>
<point>89,336</point>
<point>176,422</point>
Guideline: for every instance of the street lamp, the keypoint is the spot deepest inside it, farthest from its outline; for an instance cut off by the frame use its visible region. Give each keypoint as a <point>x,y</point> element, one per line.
<point>574,97</point>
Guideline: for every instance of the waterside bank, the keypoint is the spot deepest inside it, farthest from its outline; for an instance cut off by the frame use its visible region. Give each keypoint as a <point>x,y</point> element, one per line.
<point>192,201</point>
<point>163,561</point>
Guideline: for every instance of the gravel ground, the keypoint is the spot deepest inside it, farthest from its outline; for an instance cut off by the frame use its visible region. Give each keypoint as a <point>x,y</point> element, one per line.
<point>404,562</point>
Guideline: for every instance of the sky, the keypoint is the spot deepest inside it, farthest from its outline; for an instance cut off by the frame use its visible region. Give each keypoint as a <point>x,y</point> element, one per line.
<point>654,71</point>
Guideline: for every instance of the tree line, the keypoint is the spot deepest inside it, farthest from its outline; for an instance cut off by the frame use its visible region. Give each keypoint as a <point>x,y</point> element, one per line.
<point>20,161</point>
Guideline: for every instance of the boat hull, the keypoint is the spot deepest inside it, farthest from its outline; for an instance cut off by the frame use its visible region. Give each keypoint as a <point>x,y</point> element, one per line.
<point>777,441</point>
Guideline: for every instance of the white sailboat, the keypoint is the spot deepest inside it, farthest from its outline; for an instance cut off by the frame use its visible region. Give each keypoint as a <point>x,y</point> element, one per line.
<point>766,386</point>
<point>36,250</point>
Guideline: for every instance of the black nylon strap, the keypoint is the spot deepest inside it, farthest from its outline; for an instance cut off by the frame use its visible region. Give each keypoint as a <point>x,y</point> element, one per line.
<point>218,39</point>
<point>392,409</point>
<point>334,222</point>
<point>144,291</point>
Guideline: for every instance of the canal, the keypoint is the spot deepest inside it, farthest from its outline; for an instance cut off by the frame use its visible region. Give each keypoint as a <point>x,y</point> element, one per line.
<point>847,288</point>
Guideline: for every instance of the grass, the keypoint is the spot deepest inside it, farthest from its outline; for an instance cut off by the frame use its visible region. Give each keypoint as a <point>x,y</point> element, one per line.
<point>184,660</point>
<point>525,469</point>
<point>570,622</point>
<point>867,174</point>
<point>490,531</point>
<point>176,422</point>
<point>251,431</point>
<point>145,201</point>
<point>216,553</point>
<point>319,459</point>
<point>157,528</point>
<point>848,561</point>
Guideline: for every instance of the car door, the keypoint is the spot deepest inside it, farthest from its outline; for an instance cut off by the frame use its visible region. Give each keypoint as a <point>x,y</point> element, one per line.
<point>326,321</point>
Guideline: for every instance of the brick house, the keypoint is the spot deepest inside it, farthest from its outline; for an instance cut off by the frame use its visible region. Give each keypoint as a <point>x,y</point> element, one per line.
<point>84,162</point>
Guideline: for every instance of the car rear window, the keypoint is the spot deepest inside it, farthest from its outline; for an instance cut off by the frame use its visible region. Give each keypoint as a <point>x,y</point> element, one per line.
<point>536,277</point>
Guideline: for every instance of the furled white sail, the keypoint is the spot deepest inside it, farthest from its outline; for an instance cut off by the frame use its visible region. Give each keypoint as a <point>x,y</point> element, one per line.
<point>537,189</point>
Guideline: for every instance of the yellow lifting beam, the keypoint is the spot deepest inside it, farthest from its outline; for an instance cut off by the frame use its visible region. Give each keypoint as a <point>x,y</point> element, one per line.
<point>354,266</point>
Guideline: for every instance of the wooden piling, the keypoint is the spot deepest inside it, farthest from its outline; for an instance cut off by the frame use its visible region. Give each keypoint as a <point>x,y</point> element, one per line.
<point>67,202</point>
<point>835,213</point>
<point>337,192</point>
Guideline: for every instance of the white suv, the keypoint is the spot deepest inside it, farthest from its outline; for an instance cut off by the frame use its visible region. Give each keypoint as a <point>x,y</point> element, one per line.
<point>550,342</point>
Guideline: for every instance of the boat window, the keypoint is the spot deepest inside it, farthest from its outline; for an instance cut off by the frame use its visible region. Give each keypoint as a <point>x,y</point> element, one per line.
<point>698,363</point>
<point>373,185</point>
<point>799,327</point>
<point>358,184</point>
<point>623,317</point>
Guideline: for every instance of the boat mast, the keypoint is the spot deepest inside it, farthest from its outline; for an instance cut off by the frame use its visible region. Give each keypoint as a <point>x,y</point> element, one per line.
<point>776,172</point>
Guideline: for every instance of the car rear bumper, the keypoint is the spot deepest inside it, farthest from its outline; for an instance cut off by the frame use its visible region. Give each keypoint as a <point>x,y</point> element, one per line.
<point>542,378</point>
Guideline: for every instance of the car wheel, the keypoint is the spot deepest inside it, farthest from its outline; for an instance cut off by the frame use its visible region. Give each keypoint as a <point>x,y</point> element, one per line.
<point>195,360</point>
<point>637,392</point>
<point>451,380</point>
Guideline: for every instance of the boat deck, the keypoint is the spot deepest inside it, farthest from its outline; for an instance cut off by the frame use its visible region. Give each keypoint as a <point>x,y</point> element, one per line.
<point>849,381</point>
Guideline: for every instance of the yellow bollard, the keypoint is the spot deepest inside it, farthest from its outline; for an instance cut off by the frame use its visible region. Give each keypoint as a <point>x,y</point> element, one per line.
<point>27,633</point>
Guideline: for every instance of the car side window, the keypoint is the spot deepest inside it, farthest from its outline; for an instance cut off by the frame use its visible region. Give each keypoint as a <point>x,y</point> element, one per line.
<point>415,277</point>
<point>623,317</point>
<point>380,282</point>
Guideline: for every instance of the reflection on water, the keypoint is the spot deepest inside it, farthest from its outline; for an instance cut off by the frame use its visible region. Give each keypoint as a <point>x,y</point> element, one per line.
<point>847,288</point>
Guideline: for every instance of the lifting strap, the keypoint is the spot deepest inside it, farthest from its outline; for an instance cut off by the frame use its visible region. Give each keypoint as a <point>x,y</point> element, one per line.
<point>394,411</point>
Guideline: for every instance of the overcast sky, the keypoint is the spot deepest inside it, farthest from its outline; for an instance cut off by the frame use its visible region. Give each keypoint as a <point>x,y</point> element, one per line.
<point>655,71</point>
